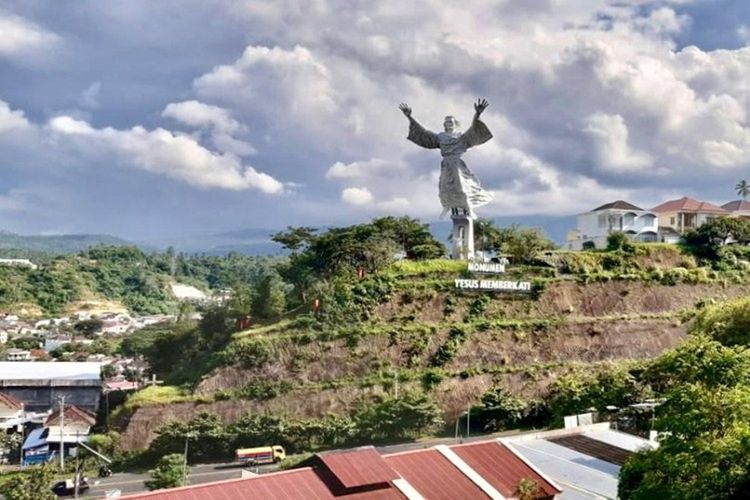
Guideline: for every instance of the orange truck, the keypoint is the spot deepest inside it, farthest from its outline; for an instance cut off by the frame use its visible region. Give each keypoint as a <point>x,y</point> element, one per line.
<point>261,455</point>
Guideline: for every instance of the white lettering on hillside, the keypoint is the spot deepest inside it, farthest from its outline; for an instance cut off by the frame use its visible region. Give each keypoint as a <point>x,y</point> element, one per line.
<point>487,267</point>
<point>510,286</point>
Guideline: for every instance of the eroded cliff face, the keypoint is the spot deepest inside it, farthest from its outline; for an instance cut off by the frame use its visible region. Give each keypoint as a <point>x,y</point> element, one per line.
<point>521,343</point>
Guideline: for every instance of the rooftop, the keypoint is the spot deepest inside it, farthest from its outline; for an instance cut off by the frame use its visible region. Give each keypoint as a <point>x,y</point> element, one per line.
<point>686,204</point>
<point>9,401</point>
<point>737,206</point>
<point>72,414</point>
<point>618,205</point>
<point>487,469</point>
<point>40,370</point>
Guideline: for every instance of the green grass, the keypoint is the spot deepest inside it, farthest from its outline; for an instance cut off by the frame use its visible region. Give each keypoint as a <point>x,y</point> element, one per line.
<point>425,267</point>
<point>164,394</point>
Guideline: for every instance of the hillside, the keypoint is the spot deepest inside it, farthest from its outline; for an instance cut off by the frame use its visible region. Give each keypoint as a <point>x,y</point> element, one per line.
<point>12,244</point>
<point>407,329</point>
<point>117,278</point>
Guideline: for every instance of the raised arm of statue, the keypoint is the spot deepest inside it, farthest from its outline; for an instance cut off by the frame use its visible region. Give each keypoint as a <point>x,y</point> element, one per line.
<point>417,133</point>
<point>478,133</point>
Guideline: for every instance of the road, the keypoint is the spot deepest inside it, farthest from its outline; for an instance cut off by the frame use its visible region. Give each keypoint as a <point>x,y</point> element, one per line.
<point>129,483</point>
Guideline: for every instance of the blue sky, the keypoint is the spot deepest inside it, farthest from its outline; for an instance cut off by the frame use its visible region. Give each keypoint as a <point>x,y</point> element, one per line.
<point>145,119</point>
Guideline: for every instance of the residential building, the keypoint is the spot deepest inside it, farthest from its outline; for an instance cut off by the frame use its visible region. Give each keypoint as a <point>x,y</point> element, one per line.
<point>17,355</point>
<point>684,214</point>
<point>484,469</point>
<point>738,208</point>
<point>45,443</point>
<point>40,384</point>
<point>11,411</point>
<point>619,216</point>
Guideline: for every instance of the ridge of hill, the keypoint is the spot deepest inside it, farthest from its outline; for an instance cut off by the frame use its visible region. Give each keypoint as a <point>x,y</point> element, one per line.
<point>13,244</point>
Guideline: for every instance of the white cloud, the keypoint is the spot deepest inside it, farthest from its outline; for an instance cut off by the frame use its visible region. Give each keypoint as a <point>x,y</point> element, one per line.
<point>375,167</point>
<point>610,134</point>
<point>356,196</point>
<point>20,36</point>
<point>11,120</point>
<point>218,120</point>
<point>198,114</point>
<point>163,152</point>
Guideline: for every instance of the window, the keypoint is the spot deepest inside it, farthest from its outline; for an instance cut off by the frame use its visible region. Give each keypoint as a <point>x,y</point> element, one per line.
<point>672,221</point>
<point>602,221</point>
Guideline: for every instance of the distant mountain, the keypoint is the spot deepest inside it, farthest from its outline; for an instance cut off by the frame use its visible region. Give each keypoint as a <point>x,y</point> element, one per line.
<point>556,228</point>
<point>56,244</point>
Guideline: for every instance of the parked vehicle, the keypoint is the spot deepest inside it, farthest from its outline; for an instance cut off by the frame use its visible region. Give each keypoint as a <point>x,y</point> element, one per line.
<point>67,487</point>
<point>261,455</point>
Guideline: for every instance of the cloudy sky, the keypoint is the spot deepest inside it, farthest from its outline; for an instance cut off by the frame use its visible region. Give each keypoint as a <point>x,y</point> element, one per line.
<point>143,119</point>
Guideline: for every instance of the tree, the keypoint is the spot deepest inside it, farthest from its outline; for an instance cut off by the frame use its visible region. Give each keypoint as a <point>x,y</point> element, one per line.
<point>398,418</point>
<point>88,327</point>
<point>706,241</point>
<point>522,244</point>
<point>31,484</point>
<point>499,410</point>
<point>170,472</point>
<point>743,189</point>
<point>270,298</point>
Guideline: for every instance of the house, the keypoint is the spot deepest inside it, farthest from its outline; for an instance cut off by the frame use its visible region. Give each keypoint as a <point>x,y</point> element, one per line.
<point>11,411</point>
<point>39,384</point>
<point>738,208</point>
<point>58,434</point>
<point>483,469</point>
<point>619,216</point>
<point>584,460</point>
<point>17,355</point>
<point>684,214</point>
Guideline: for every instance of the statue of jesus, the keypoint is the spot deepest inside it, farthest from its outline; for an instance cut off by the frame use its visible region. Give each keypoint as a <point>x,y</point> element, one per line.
<point>460,191</point>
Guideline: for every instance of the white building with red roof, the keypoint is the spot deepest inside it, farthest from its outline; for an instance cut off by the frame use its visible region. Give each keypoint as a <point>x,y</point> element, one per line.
<point>685,213</point>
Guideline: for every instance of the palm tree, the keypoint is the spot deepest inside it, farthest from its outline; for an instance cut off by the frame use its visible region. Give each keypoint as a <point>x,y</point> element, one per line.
<point>743,189</point>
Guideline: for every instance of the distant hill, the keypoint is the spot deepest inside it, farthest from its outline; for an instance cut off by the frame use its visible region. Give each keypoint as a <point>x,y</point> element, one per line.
<point>56,244</point>
<point>257,241</point>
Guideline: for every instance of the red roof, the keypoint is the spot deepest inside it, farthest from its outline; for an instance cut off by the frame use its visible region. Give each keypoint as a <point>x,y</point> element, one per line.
<point>366,475</point>
<point>502,468</point>
<point>358,467</point>
<point>294,484</point>
<point>736,205</point>
<point>433,476</point>
<point>72,414</point>
<point>686,204</point>
<point>10,402</point>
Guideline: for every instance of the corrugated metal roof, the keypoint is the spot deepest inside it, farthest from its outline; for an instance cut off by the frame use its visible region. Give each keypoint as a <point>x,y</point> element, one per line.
<point>289,485</point>
<point>500,467</point>
<point>42,370</point>
<point>358,467</point>
<point>433,476</point>
<point>571,470</point>
<point>621,439</point>
<point>594,448</point>
<point>10,402</point>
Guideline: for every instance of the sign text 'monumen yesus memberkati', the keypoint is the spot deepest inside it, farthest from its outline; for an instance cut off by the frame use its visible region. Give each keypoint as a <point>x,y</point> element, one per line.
<point>511,286</point>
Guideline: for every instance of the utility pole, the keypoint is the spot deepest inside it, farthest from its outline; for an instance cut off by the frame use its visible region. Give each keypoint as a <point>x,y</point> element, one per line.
<point>61,423</point>
<point>185,464</point>
<point>468,417</point>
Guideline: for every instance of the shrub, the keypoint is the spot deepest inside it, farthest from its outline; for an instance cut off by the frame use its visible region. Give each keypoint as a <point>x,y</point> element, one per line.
<point>619,241</point>
<point>446,352</point>
<point>248,353</point>
<point>729,322</point>
<point>431,378</point>
<point>500,410</point>
<point>170,472</point>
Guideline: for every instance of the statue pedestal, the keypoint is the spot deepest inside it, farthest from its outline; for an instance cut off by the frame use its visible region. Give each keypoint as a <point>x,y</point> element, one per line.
<point>463,237</point>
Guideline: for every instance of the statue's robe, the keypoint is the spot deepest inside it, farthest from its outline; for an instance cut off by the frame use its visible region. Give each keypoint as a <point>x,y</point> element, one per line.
<point>459,188</point>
